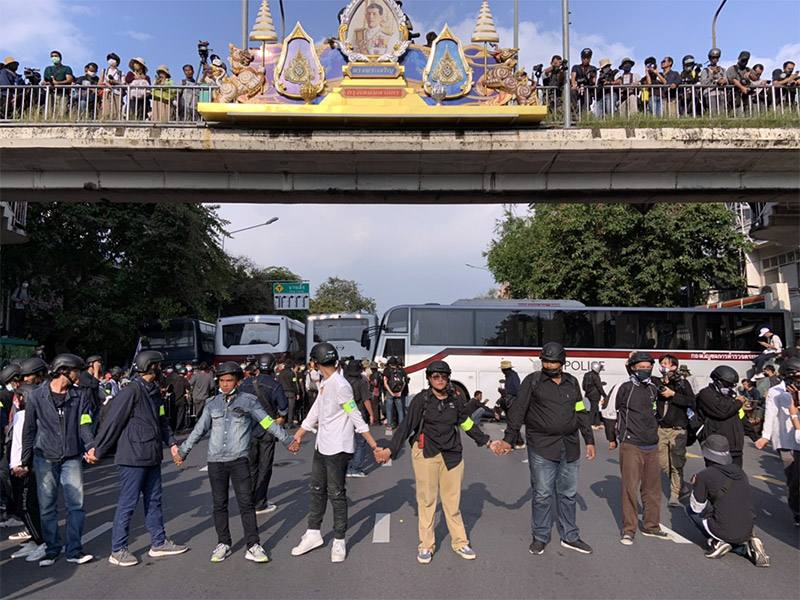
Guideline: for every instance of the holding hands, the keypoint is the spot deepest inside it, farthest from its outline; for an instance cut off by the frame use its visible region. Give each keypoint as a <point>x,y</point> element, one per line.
<point>90,458</point>
<point>294,446</point>
<point>382,455</point>
<point>176,458</point>
<point>500,447</point>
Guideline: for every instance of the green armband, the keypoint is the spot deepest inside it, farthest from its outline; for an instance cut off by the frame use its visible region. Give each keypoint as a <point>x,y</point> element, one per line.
<point>468,424</point>
<point>161,411</point>
<point>266,422</point>
<point>86,419</point>
<point>580,406</point>
<point>349,406</point>
<point>741,413</point>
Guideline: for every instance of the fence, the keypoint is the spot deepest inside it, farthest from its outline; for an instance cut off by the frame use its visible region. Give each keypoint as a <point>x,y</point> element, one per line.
<point>177,105</point>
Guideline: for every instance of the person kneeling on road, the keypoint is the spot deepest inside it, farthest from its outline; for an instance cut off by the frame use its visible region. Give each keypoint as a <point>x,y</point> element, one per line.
<point>228,415</point>
<point>721,506</point>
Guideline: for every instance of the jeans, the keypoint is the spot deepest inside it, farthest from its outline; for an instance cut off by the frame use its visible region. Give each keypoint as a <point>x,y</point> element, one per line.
<point>68,474</point>
<point>356,464</point>
<point>762,359</point>
<point>220,475</point>
<point>134,481</point>
<point>327,483</point>
<point>551,479</point>
<point>655,104</point>
<point>394,403</point>
<point>740,549</point>
<point>262,456</point>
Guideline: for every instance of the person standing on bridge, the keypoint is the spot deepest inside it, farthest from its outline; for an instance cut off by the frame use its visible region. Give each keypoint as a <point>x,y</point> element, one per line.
<point>551,406</point>
<point>431,427</point>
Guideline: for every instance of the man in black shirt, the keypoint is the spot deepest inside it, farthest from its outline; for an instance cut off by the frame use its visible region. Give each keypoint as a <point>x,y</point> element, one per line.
<point>675,397</point>
<point>551,406</point>
<point>582,76</point>
<point>721,506</point>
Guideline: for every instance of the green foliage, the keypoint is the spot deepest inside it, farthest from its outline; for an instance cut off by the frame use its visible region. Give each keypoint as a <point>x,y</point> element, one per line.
<point>340,295</point>
<point>97,271</point>
<point>613,255</point>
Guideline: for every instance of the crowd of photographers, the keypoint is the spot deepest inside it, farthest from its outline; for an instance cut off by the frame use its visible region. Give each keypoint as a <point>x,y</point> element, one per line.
<point>688,89</point>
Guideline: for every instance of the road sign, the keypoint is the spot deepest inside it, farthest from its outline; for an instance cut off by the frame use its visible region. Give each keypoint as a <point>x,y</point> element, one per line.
<point>290,296</point>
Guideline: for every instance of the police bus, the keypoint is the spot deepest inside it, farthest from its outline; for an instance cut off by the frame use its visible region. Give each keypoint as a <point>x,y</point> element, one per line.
<point>474,336</point>
<point>242,338</point>
<point>180,341</point>
<point>352,334</point>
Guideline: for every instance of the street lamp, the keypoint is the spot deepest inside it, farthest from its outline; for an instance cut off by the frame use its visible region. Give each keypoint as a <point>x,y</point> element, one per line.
<point>231,233</point>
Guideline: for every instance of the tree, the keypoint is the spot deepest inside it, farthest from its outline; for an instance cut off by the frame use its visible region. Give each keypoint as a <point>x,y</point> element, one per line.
<point>613,255</point>
<point>251,289</point>
<point>98,270</point>
<point>340,295</point>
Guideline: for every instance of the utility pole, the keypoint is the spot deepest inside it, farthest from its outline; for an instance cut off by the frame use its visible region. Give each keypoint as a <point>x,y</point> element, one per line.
<point>244,24</point>
<point>566,100</point>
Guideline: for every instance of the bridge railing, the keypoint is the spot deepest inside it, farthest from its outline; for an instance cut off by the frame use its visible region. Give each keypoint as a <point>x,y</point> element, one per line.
<point>177,105</point>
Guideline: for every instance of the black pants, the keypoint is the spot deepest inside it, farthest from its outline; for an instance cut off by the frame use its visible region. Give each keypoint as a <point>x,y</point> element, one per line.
<point>237,472</point>
<point>327,482</point>
<point>180,415</point>
<point>290,416</point>
<point>594,412</point>
<point>27,505</point>
<point>262,455</point>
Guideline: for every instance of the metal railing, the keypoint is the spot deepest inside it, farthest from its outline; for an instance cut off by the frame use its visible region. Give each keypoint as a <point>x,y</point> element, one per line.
<point>98,104</point>
<point>177,105</point>
<point>684,101</point>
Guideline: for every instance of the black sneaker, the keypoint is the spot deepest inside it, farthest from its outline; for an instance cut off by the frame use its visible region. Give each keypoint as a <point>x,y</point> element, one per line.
<point>79,559</point>
<point>578,545</point>
<point>661,535</point>
<point>718,549</point>
<point>537,547</point>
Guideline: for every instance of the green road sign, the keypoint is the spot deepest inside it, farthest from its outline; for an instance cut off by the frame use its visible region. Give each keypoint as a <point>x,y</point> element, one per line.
<point>290,296</point>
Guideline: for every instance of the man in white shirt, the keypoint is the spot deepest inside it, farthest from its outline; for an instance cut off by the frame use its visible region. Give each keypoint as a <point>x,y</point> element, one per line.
<point>772,347</point>
<point>779,429</point>
<point>336,418</point>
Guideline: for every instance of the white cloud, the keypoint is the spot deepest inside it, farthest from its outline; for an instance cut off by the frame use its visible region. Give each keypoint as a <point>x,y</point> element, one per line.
<point>36,27</point>
<point>139,36</point>
<point>79,9</point>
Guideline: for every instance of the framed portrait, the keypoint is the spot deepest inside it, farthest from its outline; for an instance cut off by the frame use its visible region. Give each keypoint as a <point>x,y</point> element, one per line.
<point>373,30</point>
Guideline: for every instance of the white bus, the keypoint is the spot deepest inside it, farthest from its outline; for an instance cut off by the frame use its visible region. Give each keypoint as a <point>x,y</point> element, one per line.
<point>353,334</point>
<point>244,337</point>
<point>474,336</point>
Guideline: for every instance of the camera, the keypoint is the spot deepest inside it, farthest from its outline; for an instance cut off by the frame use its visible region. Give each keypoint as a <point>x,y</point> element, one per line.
<point>537,69</point>
<point>32,75</point>
<point>202,50</point>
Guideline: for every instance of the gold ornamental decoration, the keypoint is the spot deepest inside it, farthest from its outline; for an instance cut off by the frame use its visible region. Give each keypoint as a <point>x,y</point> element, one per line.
<point>298,71</point>
<point>447,71</point>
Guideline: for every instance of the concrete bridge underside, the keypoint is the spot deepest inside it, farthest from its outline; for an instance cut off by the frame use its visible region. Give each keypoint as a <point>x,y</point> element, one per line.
<point>221,164</point>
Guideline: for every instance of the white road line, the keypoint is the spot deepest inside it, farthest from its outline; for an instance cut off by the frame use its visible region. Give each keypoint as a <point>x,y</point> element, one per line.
<point>380,534</point>
<point>97,531</point>
<point>677,538</point>
<point>204,468</point>
<point>388,463</point>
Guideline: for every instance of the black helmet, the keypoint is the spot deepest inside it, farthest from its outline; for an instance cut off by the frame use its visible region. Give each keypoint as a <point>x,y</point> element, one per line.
<point>144,361</point>
<point>94,358</point>
<point>354,368</point>
<point>25,389</point>
<point>393,360</point>
<point>586,52</point>
<point>230,368</point>
<point>714,53</point>
<point>554,352</point>
<point>637,357</point>
<point>324,354</point>
<point>266,362</point>
<point>8,373</point>
<point>725,375</point>
<point>688,60</point>
<point>115,371</point>
<point>437,366</point>
<point>790,367</point>
<point>66,362</point>
<point>33,365</point>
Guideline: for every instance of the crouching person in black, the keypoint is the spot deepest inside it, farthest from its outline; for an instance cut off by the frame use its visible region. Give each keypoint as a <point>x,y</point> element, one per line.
<point>721,506</point>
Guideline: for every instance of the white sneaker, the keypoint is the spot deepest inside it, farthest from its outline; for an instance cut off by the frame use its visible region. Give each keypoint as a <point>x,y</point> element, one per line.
<point>20,536</point>
<point>267,509</point>
<point>338,551</point>
<point>307,543</point>
<point>12,522</point>
<point>37,554</point>
<point>25,549</point>
<point>256,554</point>
<point>220,553</point>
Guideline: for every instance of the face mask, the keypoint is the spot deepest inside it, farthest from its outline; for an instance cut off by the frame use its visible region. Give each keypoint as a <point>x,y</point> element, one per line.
<point>55,60</point>
<point>91,74</point>
<point>9,387</point>
<point>664,370</point>
<point>643,374</point>
<point>216,62</point>
<point>626,68</point>
<point>552,372</point>
<point>112,62</point>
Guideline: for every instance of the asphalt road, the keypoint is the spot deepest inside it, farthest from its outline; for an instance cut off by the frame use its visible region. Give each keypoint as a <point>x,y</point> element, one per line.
<point>496,510</point>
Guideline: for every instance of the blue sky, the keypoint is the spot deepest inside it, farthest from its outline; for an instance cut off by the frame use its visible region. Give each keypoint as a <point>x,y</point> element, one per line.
<point>389,248</point>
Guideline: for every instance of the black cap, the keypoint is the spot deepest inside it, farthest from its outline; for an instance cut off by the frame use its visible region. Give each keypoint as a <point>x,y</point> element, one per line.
<point>716,449</point>
<point>586,52</point>
<point>744,55</point>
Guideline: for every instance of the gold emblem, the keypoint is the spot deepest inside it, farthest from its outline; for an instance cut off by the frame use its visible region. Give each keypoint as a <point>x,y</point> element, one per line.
<point>447,71</point>
<point>299,70</point>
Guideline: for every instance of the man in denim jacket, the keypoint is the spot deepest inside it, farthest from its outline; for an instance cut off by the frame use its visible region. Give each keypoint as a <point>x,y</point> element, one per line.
<point>231,416</point>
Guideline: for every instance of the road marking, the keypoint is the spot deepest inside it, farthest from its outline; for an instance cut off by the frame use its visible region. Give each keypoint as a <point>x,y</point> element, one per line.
<point>690,455</point>
<point>676,537</point>
<point>97,531</point>
<point>380,535</point>
<point>769,479</point>
<point>388,463</point>
<point>204,468</point>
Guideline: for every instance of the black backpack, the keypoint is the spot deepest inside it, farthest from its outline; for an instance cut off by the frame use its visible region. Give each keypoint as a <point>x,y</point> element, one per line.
<point>396,380</point>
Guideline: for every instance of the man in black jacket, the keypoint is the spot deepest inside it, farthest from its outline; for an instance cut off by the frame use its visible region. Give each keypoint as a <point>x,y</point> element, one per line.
<point>138,425</point>
<point>361,394</point>
<point>722,411</point>
<point>288,380</point>
<point>58,427</point>
<point>721,506</point>
<point>675,397</point>
<point>593,388</point>
<point>551,406</point>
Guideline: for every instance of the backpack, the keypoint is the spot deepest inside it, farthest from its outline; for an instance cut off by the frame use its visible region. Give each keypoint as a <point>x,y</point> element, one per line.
<point>396,380</point>
<point>586,384</point>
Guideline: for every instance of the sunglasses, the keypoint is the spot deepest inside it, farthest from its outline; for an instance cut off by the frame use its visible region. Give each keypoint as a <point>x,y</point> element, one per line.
<point>440,377</point>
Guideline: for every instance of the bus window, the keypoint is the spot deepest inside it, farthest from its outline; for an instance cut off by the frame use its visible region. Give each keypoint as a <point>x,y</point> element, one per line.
<point>441,327</point>
<point>552,326</point>
<point>395,347</point>
<point>621,330</point>
<point>665,330</point>
<point>501,328</point>
<point>745,328</point>
<point>579,329</point>
<point>243,334</point>
<point>397,321</point>
<point>713,330</point>
<point>335,330</point>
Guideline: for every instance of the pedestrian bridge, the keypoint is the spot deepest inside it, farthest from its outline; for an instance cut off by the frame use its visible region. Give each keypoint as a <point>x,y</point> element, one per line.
<point>124,163</point>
